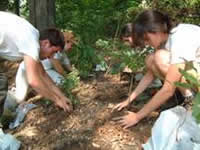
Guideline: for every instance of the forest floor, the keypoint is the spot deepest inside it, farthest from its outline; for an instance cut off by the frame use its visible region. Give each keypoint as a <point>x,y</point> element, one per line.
<point>90,126</point>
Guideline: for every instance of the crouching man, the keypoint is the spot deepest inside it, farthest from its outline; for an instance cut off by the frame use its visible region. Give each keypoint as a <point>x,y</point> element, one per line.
<point>19,40</point>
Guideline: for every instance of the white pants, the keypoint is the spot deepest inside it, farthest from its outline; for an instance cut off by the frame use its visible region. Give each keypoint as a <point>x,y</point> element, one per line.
<point>22,86</point>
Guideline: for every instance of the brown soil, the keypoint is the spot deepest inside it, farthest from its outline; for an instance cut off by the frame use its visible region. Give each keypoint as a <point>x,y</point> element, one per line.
<point>90,126</point>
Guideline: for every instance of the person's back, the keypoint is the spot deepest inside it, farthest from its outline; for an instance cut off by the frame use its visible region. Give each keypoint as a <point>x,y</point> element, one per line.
<point>184,43</point>
<point>16,34</point>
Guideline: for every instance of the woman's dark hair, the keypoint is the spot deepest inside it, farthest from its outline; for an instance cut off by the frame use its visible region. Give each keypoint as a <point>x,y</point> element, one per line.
<point>55,37</point>
<point>126,30</point>
<point>150,21</point>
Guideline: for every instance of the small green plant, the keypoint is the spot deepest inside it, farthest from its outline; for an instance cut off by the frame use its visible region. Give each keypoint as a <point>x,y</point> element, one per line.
<point>70,82</point>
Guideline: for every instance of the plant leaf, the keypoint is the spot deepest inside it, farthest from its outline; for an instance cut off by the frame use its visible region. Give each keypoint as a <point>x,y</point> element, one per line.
<point>196,108</point>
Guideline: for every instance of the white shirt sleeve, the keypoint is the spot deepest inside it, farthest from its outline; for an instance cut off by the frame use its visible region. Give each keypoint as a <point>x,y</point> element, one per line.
<point>183,43</point>
<point>30,45</point>
<point>182,50</point>
<point>17,38</point>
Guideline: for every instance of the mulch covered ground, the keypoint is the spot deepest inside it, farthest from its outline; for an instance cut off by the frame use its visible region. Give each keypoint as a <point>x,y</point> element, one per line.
<point>90,126</point>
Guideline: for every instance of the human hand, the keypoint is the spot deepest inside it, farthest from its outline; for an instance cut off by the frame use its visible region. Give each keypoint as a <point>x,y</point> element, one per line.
<point>65,104</point>
<point>128,120</point>
<point>121,105</point>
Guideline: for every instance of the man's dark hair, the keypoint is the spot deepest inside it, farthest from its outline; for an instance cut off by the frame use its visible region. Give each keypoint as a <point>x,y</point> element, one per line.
<point>55,37</point>
<point>150,21</point>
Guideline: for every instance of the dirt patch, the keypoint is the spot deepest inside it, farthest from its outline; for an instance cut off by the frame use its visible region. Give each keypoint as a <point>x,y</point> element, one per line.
<point>90,126</point>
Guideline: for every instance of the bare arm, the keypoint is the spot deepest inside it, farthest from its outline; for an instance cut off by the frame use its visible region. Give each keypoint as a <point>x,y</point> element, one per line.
<point>143,84</point>
<point>161,97</point>
<point>43,84</point>
<point>163,94</point>
<point>57,66</point>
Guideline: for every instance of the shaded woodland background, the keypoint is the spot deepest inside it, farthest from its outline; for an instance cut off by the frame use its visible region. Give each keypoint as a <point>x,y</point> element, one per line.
<point>93,20</point>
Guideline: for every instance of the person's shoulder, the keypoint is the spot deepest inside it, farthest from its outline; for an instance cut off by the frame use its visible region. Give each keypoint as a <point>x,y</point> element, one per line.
<point>188,27</point>
<point>16,23</point>
<point>6,13</point>
<point>187,30</point>
<point>9,16</point>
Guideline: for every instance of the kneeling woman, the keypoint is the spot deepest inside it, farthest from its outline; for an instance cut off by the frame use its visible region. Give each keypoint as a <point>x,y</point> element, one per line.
<point>173,48</point>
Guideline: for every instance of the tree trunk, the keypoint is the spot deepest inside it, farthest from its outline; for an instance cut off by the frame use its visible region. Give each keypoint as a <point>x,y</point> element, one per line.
<point>42,13</point>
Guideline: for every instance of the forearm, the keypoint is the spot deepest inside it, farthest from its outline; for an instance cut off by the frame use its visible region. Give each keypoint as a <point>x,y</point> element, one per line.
<point>143,84</point>
<point>164,94</point>
<point>60,70</point>
<point>48,88</point>
<point>160,98</point>
<point>43,84</point>
<point>44,91</point>
<point>58,66</point>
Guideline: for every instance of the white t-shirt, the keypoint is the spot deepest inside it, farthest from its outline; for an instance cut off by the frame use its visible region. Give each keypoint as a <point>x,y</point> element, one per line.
<point>17,38</point>
<point>61,56</point>
<point>184,43</point>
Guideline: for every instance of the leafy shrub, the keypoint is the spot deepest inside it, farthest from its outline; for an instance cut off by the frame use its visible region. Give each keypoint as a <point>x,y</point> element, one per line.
<point>181,11</point>
<point>84,57</point>
<point>70,82</point>
<point>91,20</point>
<point>194,84</point>
<point>121,55</point>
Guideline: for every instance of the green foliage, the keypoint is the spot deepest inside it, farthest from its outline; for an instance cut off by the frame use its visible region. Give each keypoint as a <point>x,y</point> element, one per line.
<point>184,85</point>
<point>91,20</point>
<point>46,102</point>
<point>121,56</point>
<point>7,5</point>
<point>24,10</point>
<point>70,82</point>
<point>192,83</point>
<point>181,11</point>
<point>196,108</point>
<point>84,58</point>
